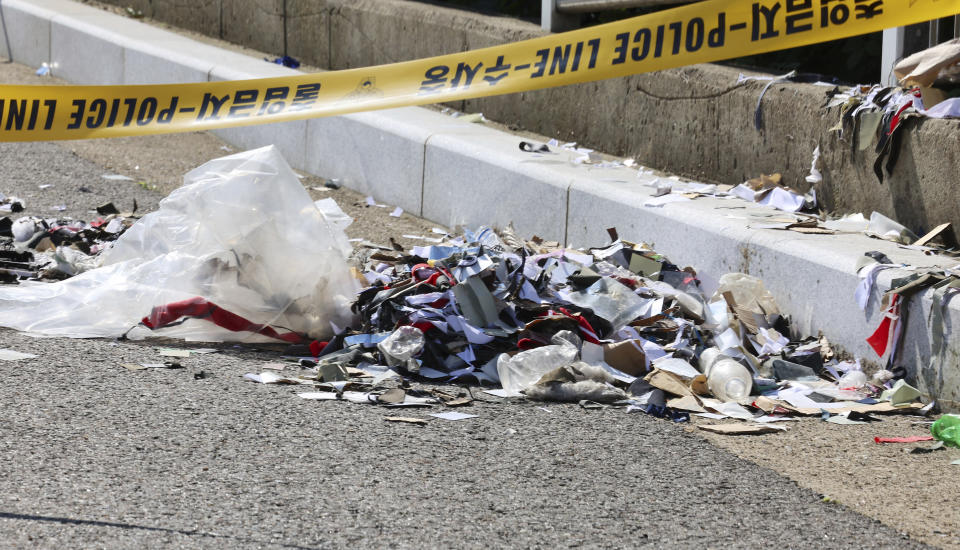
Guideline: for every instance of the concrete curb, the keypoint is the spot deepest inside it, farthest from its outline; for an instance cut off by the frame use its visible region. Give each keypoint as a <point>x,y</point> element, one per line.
<point>455,172</point>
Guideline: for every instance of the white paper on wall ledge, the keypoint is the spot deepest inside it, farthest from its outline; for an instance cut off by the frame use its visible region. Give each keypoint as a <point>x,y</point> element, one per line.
<point>241,233</point>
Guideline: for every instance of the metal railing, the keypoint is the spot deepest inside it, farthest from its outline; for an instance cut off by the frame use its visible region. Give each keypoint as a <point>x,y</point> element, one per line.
<point>560,15</point>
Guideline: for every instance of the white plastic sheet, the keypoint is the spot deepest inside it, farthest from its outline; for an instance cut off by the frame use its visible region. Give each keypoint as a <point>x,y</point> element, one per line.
<point>242,233</point>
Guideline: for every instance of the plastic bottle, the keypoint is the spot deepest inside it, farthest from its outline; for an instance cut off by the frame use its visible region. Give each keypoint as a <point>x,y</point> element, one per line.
<point>947,429</point>
<point>728,380</point>
<point>852,380</point>
<point>708,357</point>
<point>401,345</point>
<point>524,369</point>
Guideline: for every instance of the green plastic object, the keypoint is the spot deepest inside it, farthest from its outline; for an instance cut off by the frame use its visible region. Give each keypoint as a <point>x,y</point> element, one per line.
<point>947,429</point>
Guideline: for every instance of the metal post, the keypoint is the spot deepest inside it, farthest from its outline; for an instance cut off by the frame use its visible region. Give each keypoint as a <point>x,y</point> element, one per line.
<point>554,21</point>
<point>892,52</point>
<point>934,37</point>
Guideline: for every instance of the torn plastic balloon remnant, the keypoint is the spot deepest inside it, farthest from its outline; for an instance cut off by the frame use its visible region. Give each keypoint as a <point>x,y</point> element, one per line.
<point>241,233</point>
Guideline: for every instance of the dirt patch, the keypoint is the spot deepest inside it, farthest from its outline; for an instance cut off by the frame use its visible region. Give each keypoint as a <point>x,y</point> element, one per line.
<point>914,493</point>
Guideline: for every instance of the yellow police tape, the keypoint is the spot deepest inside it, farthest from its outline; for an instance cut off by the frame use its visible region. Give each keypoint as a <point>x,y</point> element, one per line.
<point>696,33</point>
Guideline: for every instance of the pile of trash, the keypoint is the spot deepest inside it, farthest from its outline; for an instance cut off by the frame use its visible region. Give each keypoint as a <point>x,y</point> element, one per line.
<point>34,248</point>
<point>241,253</point>
<point>615,325</point>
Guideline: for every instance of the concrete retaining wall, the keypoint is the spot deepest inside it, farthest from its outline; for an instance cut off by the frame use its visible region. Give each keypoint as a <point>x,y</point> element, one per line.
<point>693,121</point>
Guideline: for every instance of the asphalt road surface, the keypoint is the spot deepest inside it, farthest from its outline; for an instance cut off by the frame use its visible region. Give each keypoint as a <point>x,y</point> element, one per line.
<point>97,456</point>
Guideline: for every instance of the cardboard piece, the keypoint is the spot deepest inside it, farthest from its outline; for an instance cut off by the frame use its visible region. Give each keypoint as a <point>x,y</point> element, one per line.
<point>686,403</point>
<point>626,356</point>
<point>393,396</point>
<point>742,429</point>
<point>699,385</point>
<point>878,408</point>
<point>936,232</point>
<point>668,382</point>
<point>924,67</point>
<point>459,402</point>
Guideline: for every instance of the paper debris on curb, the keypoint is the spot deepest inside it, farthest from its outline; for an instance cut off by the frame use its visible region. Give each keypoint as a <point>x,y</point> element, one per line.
<point>742,429</point>
<point>406,420</point>
<point>174,353</point>
<point>665,199</point>
<point>11,355</point>
<point>397,212</point>
<point>116,177</point>
<point>451,415</point>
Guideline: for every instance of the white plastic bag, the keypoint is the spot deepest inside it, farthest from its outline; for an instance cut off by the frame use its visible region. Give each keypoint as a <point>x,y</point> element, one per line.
<point>241,233</point>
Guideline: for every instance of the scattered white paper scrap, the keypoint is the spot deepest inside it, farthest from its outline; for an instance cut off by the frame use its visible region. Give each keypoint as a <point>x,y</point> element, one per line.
<point>59,208</point>
<point>115,225</point>
<point>174,353</point>
<point>711,415</point>
<point>264,377</point>
<point>497,393</point>
<point>116,177</point>
<point>45,186</point>
<point>453,415</point>
<point>397,212</point>
<point>766,419</point>
<point>439,231</point>
<point>10,355</point>
<point>319,395</point>
<point>359,397</point>
<point>665,199</point>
